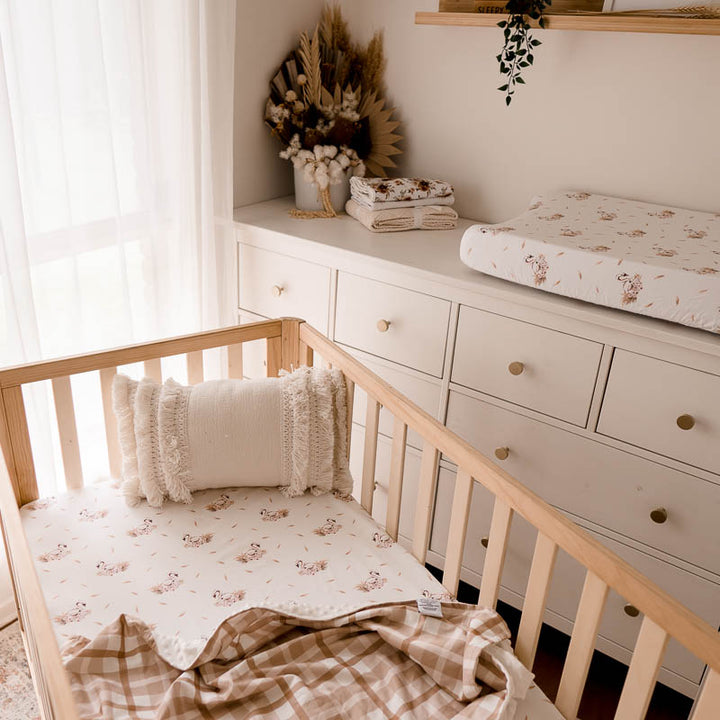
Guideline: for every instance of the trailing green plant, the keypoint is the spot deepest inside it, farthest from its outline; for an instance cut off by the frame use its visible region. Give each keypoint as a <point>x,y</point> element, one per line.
<point>517,53</point>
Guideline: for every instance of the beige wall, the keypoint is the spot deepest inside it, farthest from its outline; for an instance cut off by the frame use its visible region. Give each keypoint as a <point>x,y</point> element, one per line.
<point>266,31</point>
<point>625,114</point>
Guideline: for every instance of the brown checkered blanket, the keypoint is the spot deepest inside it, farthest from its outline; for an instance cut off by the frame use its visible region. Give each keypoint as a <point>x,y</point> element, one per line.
<point>387,661</point>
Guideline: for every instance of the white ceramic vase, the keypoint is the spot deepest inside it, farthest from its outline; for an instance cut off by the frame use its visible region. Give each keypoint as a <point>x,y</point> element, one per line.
<point>307,195</point>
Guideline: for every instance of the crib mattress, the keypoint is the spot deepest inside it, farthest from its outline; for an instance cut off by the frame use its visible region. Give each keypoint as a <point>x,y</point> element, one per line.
<point>184,569</point>
<point>647,259</point>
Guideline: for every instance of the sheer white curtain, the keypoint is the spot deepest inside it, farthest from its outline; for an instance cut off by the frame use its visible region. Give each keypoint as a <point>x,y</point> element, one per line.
<point>115,180</point>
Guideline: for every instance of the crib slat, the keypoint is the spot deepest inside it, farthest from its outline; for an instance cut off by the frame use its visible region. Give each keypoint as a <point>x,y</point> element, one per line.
<point>535,599</point>
<point>235,361</point>
<point>306,354</point>
<point>20,459</point>
<point>495,555</point>
<point>458,530</point>
<point>397,471</point>
<point>372,419</point>
<point>644,667</point>
<point>274,356</point>
<point>67,430</point>
<point>153,369</point>
<point>582,644</point>
<point>350,399</point>
<point>424,506</point>
<point>111,432</point>
<point>706,707</point>
<point>194,367</point>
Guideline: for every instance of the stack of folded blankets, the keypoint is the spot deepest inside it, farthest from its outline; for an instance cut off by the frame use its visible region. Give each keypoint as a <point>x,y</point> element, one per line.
<point>393,204</point>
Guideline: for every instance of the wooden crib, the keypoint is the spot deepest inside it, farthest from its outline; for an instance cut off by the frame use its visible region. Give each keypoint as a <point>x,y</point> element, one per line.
<point>291,343</point>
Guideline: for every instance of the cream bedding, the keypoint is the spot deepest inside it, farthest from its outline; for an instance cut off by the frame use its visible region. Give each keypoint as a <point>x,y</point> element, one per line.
<point>184,570</point>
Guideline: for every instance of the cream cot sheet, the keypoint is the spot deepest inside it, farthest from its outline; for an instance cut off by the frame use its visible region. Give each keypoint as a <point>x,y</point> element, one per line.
<point>184,569</point>
<point>647,259</point>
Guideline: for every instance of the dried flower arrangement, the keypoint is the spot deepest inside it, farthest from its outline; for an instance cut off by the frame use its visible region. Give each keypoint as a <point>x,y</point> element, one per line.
<point>327,108</point>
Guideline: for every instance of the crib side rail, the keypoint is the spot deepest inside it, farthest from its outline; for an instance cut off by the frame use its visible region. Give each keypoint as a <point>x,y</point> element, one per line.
<point>51,681</point>
<point>664,616</point>
<point>14,435</point>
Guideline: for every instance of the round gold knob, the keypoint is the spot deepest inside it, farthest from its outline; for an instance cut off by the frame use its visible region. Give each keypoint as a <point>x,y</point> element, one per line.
<point>631,610</point>
<point>659,515</point>
<point>277,290</point>
<point>686,422</point>
<point>516,368</point>
<point>502,453</point>
<point>484,541</point>
<point>383,325</point>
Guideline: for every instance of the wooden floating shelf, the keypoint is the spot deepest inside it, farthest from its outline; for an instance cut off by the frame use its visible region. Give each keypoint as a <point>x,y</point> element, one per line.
<point>568,21</point>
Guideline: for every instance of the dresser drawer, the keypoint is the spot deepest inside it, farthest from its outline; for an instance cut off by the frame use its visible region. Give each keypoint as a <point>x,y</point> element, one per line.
<point>701,596</point>
<point>424,392</point>
<point>545,370</point>
<point>663,508</point>
<point>401,325</point>
<point>275,285</point>
<point>666,408</point>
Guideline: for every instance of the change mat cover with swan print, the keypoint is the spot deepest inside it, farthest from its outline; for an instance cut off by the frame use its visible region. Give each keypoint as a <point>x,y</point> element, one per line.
<point>648,259</point>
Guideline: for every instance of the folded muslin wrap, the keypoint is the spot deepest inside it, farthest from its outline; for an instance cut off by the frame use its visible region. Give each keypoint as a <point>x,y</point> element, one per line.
<point>426,217</point>
<point>372,192</point>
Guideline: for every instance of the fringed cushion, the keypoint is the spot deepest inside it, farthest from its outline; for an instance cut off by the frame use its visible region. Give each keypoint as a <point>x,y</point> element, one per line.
<point>289,432</point>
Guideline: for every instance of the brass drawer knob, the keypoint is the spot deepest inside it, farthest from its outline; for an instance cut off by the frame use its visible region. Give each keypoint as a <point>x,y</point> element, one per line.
<point>516,368</point>
<point>502,453</point>
<point>383,325</point>
<point>277,290</point>
<point>659,515</point>
<point>631,610</point>
<point>484,541</point>
<point>686,422</point>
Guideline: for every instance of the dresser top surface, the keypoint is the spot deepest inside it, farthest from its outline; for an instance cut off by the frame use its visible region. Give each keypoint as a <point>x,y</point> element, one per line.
<point>434,255</point>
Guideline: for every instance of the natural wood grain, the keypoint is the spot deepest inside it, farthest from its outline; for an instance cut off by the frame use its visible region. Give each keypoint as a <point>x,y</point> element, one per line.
<point>139,353</point>
<point>458,531</point>
<point>372,419</point>
<point>107,376</point>
<point>605,23</point>
<point>235,361</point>
<point>708,702</point>
<point>21,466</point>
<point>425,499</point>
<point>397,472</point>
<point>67,431</point>
<point>290,339</point>
<point>195,369</point>
<point>350,402</point>
<point>644,667</point>
<point>273,356</point>
<point>536,595</point>
<point>582,644</point>
<point>306,355</point>
<point>686,627</point>
<point>35,619</point>
<point>152,368</point>
<point>495,555</point>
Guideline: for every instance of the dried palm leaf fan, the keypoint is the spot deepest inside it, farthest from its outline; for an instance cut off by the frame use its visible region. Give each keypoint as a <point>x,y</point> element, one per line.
<point>328,94</point>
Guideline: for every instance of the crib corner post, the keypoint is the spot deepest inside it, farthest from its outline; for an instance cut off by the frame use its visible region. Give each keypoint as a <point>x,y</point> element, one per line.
<point>15,445</point>
<point>290,355</point>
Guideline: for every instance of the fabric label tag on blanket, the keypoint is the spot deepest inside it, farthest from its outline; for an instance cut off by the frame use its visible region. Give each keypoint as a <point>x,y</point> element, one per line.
<point>429,606</point>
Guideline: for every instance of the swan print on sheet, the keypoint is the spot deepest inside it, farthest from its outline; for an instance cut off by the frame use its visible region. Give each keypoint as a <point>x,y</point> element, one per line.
<point>647,259</point>
<point>183,569</point>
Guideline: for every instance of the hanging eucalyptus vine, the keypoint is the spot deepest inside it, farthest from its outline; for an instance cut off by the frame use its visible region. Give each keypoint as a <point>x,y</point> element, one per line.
<point>517,52</point>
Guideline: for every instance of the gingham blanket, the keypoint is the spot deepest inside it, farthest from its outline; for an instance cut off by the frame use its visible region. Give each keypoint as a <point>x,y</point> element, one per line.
<point>386,661</point>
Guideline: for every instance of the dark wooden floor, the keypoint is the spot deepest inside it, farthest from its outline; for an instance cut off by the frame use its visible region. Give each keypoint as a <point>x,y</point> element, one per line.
<point>605,679</point>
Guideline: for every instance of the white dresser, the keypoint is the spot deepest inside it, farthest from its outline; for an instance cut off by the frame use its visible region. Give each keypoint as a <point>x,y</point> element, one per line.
<point>611,417</point>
